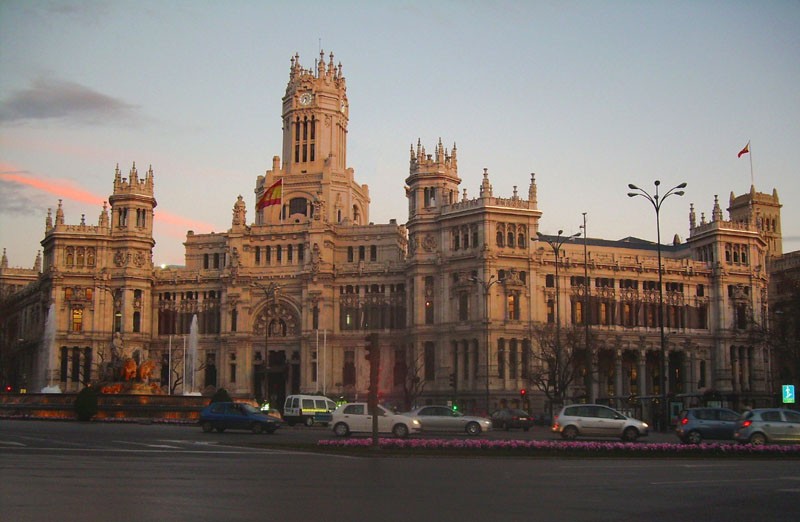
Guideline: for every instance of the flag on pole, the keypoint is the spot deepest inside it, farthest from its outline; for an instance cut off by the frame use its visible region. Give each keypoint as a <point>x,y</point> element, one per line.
<point>745,150</point>
<point>271,196</point>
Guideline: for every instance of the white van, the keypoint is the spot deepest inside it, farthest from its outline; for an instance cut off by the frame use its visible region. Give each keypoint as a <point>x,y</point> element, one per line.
<point>308,409</point>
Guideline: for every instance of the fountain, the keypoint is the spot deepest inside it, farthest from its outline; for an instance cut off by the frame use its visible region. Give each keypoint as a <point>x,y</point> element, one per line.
<point>190,366</point>
<point>48,339</point>
<point>124,375</point>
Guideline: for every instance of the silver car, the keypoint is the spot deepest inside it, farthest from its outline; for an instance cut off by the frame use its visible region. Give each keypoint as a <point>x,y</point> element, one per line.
<point>768,425</point>
<point>443,418</point>
<point>595,420</point>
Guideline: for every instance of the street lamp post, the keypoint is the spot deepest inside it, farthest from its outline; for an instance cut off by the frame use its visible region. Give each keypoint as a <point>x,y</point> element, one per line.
<point>270,290</point>
<point>656,200</point>
<point>556,244</point>
<point>486,285</point>
<point>589,381</point>
<point>115,326</point>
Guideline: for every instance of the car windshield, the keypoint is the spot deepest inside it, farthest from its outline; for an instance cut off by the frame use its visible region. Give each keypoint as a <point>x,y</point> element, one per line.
<point>249,409</point>
<point>519,413</point>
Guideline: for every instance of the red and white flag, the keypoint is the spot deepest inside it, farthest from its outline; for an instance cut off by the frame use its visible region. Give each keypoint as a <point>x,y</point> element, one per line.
<point>745,150</point>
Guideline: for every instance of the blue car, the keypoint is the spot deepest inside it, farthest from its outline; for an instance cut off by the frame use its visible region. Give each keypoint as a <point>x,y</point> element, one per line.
<point>223,416</point>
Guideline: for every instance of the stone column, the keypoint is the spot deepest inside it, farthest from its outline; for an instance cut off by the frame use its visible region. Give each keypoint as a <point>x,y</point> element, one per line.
<point>686,370</point>
<point>747,383</point>
<point>618,376</point>
<point>642,372</point>
<point>595,369</point>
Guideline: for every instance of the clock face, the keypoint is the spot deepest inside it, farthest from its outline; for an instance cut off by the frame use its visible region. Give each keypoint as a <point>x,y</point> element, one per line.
<point>305,98</point>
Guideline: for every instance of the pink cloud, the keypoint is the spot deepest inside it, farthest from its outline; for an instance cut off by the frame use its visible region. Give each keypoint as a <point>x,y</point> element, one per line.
<point>66,189</point>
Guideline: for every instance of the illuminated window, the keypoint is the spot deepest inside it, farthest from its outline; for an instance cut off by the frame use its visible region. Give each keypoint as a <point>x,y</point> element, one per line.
<point>77,319</point>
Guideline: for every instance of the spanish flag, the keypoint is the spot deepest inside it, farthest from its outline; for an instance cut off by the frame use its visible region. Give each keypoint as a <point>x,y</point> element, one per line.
<point>745,150</point>
<point>271,196</point>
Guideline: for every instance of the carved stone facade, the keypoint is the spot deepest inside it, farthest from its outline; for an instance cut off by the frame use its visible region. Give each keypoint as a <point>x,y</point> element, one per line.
<point>283,304</point>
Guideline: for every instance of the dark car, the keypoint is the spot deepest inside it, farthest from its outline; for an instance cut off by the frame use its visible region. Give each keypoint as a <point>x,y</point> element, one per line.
<point>509,418</point>
<point>223,416</point>
<point>696,424</point>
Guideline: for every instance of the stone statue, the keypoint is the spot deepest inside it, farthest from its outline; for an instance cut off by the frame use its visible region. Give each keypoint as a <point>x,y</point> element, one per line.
<point>117,348</point>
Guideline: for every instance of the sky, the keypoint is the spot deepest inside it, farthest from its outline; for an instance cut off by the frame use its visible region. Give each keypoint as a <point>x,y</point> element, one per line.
<point>589,95</point>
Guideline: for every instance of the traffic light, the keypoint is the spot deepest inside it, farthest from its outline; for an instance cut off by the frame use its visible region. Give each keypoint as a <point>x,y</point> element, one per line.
<point>452,380</point>
<point>522,393</point>
<point>372,347</point>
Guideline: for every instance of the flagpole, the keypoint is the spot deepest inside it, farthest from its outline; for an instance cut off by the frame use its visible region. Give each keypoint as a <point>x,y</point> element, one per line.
<point>752,178</point>
<point>169,367</point>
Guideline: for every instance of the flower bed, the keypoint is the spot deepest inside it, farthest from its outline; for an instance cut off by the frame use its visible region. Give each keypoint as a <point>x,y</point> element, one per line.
<point>550,448</point>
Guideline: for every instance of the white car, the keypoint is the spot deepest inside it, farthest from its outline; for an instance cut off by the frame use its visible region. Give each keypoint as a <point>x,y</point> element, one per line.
<point>354,417</point>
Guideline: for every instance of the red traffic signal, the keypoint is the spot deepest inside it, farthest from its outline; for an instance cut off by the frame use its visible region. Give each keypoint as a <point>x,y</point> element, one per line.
<point>523,392</point>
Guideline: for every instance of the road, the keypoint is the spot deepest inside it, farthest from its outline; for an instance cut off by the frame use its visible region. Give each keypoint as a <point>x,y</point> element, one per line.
<point>126,472</point>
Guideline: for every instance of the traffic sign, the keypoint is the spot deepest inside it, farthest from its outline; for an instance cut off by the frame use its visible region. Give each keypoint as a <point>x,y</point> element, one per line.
<point>788,393</point>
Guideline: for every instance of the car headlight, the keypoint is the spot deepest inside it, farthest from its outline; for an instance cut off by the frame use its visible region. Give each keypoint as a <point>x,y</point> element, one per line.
<point>415,422</point>
<point>645,425</point>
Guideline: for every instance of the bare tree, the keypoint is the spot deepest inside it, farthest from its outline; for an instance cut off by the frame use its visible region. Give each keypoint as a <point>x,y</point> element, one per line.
<point>784,336</point>
<point>411,375</point>
<point>556,358</point>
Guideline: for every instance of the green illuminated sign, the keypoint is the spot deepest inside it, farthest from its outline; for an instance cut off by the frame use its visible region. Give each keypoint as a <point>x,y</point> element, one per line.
<point>788,393</point>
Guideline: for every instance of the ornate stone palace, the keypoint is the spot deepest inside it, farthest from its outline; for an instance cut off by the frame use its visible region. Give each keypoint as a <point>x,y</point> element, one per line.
<point>465,297</point>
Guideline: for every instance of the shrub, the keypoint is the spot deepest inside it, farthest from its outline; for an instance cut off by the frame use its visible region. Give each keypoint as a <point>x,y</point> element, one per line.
<point>221,395</point>
<point>86,404</point>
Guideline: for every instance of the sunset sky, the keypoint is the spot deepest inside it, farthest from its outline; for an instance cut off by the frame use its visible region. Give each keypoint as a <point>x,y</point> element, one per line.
<point>589,95</point>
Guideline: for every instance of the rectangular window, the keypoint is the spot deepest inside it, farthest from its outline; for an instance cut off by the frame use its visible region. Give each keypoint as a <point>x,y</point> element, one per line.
<point>513,307</point>
<point>463,306</point>
<point>349,254</point>
<point>577,312</point>
<point>87,365</point>
<point>361,253</point>
<point>258,255</point>
<point>76,365</point>
<point>430,361</point>
<point>512,361</point>
<point>373,253</point>
<point>349,369</point>
<point>77,320</point>
<point>64,363</point>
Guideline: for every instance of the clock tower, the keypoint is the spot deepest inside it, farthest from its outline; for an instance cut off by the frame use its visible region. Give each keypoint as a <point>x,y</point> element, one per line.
<point>312,174</point>
<point>315,114</point>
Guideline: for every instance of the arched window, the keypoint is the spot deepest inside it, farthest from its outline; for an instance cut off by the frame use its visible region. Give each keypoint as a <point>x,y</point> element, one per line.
<point>298,206</point>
